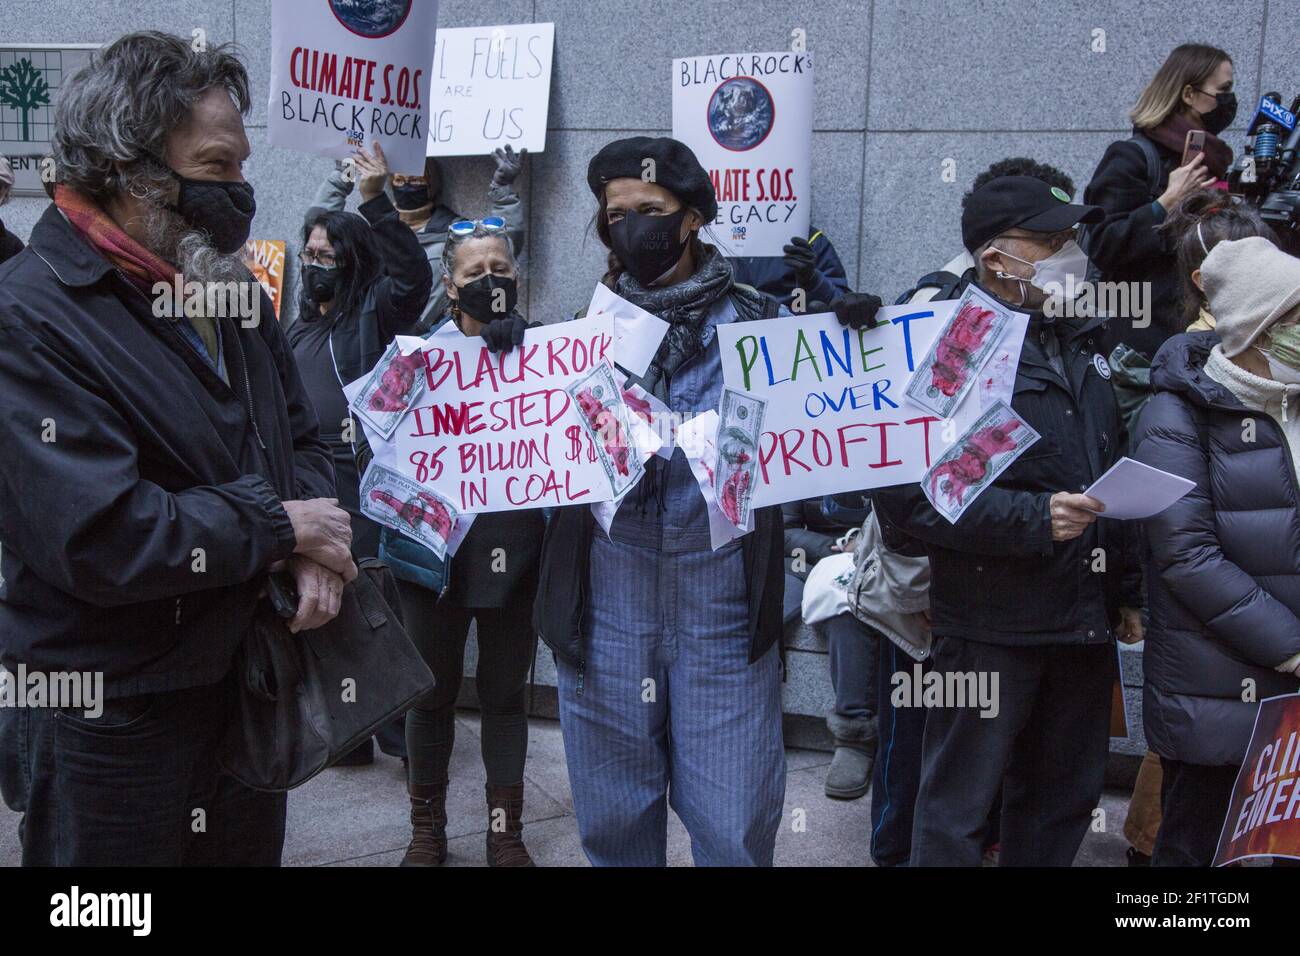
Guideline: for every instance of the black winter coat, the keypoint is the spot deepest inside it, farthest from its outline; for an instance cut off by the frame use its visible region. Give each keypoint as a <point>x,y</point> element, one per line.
<point>392,306</point>
<point>10,245</point>
<point>997,575</point>
<point>123,453</point>
<point>1223,563</point>
<point>1126,245</point>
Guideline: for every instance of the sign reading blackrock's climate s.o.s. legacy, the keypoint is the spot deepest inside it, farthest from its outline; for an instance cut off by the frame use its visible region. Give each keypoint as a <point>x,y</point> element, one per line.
<point>346,74</point>
<point>491,87</point>
<point>748,118</point>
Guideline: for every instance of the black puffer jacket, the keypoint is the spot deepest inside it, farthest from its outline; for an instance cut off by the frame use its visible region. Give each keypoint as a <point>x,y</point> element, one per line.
<point>1223,566</point>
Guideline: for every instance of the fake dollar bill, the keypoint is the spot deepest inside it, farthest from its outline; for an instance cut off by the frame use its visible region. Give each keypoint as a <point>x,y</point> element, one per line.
<point>740,422</point>
<point>973,463</point>
<point>958,353</point>
<point>393,386</point>
<point>606,419</point>
<point>408,507</point>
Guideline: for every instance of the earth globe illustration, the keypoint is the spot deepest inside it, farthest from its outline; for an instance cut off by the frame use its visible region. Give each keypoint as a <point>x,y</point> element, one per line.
<point>741,113</point>
<point>371,18</point>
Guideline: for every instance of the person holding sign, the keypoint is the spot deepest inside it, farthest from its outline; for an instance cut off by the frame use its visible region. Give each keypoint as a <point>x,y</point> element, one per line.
<point>364,279</point>
<point>1224,560</point>
<point>1031,533</point>
<point>665,648</point>
<point>491,581</point>
<point>810,264</point>
<point>419,205</point>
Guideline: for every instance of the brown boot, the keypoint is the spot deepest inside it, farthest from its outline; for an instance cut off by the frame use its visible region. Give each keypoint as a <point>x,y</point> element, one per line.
<point>505,843</point>
<point>428,825</point>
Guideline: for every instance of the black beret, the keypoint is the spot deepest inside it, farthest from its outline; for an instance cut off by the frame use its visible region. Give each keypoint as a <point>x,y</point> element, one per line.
<point>675,169</point>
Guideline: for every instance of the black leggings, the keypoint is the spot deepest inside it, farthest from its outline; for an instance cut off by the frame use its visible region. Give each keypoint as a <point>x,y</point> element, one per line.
<point>505,653</point>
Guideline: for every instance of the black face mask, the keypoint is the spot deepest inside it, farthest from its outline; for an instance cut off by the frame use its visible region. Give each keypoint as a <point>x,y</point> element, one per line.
<point>648,246</point>
<point>479,298</point>
<point>1224,112</point>
<point>321,284</point>
<point>412,197</point>
<point>224,210</point>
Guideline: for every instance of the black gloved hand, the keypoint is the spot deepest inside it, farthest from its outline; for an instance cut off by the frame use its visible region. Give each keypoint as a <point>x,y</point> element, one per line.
<point>501,335</point>
<point>857,310</point>
<point>800,259</point>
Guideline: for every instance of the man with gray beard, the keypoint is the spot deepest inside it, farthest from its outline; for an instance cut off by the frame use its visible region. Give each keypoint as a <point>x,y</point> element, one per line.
<point>159,461</point>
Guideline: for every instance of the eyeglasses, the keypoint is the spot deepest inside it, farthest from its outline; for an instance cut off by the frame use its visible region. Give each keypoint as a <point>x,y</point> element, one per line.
<point>311,259</point>
<point>466,227</point>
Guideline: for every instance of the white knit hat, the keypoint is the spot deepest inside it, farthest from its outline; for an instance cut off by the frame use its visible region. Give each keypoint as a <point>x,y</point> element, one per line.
<point>1250,284</point>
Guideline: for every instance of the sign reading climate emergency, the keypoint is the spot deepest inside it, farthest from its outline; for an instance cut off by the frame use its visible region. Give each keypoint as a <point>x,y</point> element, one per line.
<point>1264,812</point>
<point>748,119</point>
<point>348,73</point>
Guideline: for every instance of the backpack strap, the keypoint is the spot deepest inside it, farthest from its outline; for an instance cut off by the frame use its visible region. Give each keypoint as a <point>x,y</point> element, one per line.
<point>945,282</point>
<point>1155,168</point>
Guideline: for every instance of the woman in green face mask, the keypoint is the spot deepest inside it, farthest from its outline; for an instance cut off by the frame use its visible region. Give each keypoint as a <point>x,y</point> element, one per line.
<point>1223,571</point>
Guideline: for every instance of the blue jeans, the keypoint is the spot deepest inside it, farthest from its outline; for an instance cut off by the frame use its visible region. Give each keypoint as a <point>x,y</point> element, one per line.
<point>672,712</point>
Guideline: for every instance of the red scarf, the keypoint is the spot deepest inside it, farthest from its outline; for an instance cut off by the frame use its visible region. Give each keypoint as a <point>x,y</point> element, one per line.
<point>1172,135</point>
<point>142,267</point>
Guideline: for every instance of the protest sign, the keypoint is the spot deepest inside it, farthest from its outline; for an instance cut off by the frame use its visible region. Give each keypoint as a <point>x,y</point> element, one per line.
<point>748,118</point>
<point>265,259</point>
<point>499,432</point>
<point>837,417</point>
<point>346,74</point>
<point>1264,812</point>
<point>491,86</point>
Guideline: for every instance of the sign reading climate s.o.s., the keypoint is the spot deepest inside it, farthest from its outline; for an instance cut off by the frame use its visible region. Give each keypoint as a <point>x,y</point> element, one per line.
<point>748,118</point>
<point>346,74</point>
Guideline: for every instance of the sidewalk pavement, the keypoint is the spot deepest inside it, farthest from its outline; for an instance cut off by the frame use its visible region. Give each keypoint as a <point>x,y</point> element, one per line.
<point>357,816</point>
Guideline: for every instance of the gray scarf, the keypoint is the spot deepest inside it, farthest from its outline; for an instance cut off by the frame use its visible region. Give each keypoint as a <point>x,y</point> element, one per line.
<point>684,307</point>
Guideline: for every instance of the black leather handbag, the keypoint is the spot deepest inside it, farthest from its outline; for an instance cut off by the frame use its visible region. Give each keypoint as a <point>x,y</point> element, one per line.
<point>304,700</point>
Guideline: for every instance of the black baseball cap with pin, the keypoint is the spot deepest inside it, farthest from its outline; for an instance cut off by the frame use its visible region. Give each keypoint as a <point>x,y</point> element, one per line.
<point>1020,202</point>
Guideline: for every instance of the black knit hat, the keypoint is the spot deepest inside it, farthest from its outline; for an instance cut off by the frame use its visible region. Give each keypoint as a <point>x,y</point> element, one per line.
<point>675,168</point>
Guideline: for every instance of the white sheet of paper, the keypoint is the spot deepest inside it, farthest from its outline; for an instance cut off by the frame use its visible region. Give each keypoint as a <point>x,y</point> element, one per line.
<point>695,438</point>
<point>637,333</point>
<point>1134,490</point>
<point>459,530</point>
